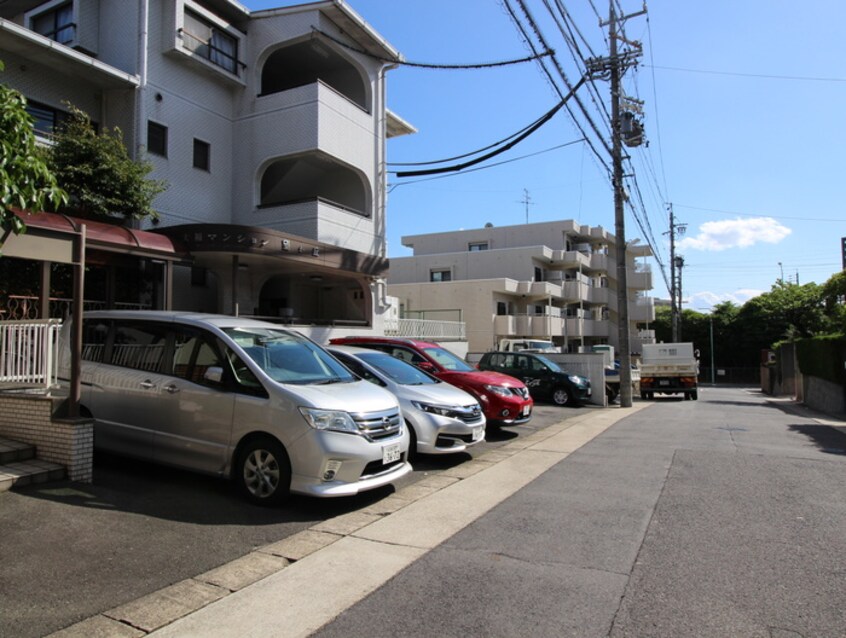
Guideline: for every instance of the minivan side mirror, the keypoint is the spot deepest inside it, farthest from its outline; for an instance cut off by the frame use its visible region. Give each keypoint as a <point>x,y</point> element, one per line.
<point>214,374</point>
<point>426,365</point>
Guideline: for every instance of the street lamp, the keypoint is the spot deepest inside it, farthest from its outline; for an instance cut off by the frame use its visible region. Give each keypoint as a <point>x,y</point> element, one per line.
<point>711,321</point>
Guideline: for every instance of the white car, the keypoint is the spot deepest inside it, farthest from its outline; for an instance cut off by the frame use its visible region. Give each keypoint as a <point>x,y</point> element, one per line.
<point>441,418</point>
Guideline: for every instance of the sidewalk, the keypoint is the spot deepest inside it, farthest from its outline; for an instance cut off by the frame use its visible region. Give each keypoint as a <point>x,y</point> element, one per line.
<point>303,582</point>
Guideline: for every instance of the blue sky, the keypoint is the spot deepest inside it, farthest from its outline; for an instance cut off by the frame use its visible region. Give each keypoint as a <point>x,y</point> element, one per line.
<point>743,113</point>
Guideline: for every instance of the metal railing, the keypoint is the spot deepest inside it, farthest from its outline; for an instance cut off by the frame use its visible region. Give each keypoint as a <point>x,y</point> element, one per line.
<point>426,329</point>
<point>22,307</point>
<point>28,353</point>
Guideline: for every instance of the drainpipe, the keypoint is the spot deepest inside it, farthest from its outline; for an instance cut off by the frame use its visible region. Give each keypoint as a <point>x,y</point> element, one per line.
<point>381,159</point>
<point>143,45</point>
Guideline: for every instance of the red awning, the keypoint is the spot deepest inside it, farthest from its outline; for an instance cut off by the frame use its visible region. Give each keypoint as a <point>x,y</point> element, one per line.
<point>105,236</point>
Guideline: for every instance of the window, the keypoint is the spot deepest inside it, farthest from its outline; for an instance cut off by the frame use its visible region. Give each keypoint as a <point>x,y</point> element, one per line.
<point>47,119</point>
<point>56,24</point>
<point>440,275</point>
<point>501,308</point>
<point>210,42</point>
<point>139,346</point>
<point>193,354</point>
<point>540,275</point>
<point>202,155</point>
<point>477,246</point>
<point>94,336</point>
<point>157,139</point>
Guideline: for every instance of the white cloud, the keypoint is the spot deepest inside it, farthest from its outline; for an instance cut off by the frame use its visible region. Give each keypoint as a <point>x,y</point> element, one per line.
<point>735,233</point>
<point>704,301</point>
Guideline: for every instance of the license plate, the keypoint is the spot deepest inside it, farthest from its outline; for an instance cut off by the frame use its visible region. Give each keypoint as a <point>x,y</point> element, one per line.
<point>527,410</point>
<point>663,382</point>
<point>391,453</point>
<point>478,433</point>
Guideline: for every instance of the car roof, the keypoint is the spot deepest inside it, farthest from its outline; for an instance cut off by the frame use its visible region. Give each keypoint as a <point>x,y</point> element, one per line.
<point>176,316</point>
<point>353,350</point>
<point>399,341</point>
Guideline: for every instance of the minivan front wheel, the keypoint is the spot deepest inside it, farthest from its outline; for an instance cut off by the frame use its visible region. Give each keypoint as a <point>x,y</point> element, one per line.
<point>263,471</point>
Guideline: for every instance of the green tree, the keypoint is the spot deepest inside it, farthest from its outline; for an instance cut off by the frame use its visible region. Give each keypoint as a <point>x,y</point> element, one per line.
<point>100,177</point>
<point>26,182</point>
<point>834,300</point>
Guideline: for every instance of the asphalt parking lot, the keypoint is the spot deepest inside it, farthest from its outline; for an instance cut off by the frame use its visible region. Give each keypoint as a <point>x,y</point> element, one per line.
<point>72,550</point>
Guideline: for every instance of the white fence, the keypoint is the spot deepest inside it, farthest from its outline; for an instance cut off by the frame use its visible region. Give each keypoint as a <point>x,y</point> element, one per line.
<point>28,351</point>
<point>426,329</point>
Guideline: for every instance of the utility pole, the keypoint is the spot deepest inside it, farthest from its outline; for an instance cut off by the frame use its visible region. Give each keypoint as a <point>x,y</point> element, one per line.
<point>675,288</point>
<point>614,66</point>
<point>679,264</point>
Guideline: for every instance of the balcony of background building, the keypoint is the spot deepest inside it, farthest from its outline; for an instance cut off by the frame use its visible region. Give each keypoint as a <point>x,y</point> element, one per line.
<point>640,278</point>
<point>578,327</point>
<point>642,310</point>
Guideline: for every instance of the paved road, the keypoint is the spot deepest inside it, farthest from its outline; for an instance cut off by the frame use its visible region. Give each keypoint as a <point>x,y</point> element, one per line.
<point>69,551</point>
<point>718,517</point>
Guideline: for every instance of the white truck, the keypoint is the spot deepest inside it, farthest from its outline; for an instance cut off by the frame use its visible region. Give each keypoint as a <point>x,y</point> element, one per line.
<point>669,368</point>
<point>612,372</point>
<point>527,345</point>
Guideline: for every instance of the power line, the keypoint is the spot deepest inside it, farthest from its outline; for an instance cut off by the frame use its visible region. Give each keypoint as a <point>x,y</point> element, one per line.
<point>519,25</point>
<point>431,65</point>
<point>513,142</point>
<point>481,168</point>
<point>543,117</point>
<point>802,78</point>
<point>729,212</point>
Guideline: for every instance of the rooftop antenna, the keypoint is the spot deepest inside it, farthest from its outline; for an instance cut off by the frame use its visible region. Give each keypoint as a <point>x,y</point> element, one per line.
<point>527,200</point>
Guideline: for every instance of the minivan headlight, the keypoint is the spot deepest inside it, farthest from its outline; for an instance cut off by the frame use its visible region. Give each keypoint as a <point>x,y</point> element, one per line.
<point>336,420</point>
<point>498,389</point>
<point>574,378</point>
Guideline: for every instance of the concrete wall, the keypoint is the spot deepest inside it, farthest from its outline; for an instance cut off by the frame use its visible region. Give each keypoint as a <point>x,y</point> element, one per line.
<point>824,396</point>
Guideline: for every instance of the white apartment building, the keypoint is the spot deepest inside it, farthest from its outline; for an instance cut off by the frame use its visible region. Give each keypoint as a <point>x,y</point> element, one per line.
<point>269,128</point>
<point>550,280</point>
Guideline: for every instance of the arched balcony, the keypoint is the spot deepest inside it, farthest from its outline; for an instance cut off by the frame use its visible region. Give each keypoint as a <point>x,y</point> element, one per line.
<point>310,61</point>
<point>314,177</point>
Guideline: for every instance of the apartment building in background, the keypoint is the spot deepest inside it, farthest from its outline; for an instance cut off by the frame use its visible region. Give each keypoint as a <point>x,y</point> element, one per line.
<point>549,280</point>
<point>269,127</point>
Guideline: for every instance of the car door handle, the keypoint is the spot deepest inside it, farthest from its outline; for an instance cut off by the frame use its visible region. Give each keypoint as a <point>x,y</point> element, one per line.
<point>171,389</point>
<point>148,385</point>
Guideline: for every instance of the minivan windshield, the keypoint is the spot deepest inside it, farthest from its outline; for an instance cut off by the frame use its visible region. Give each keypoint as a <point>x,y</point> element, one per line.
<point>289,357</point>
<point>448,360</point>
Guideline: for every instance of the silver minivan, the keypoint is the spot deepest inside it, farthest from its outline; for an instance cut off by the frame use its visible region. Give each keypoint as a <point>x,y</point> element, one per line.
<point>236,397</point>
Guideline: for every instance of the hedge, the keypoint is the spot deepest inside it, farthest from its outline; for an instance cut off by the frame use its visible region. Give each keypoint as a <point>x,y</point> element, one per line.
<point>823,357</point>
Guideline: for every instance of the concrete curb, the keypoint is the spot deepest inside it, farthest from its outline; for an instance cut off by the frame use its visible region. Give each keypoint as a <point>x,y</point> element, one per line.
<point>361,550</point>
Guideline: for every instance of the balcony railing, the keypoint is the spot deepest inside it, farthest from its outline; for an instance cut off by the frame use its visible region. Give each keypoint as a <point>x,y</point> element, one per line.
<point>426,329</point>
<point>28,353</point>
<point>21,307</point>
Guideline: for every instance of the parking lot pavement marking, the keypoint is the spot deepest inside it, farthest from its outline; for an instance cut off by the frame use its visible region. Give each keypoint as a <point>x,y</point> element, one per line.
<point>314,590</point>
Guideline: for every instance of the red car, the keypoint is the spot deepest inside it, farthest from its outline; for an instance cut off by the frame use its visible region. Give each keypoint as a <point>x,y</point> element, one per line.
<point>504,399</point>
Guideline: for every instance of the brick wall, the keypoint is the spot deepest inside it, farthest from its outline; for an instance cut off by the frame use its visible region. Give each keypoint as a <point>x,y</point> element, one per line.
<point>70,442</point>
